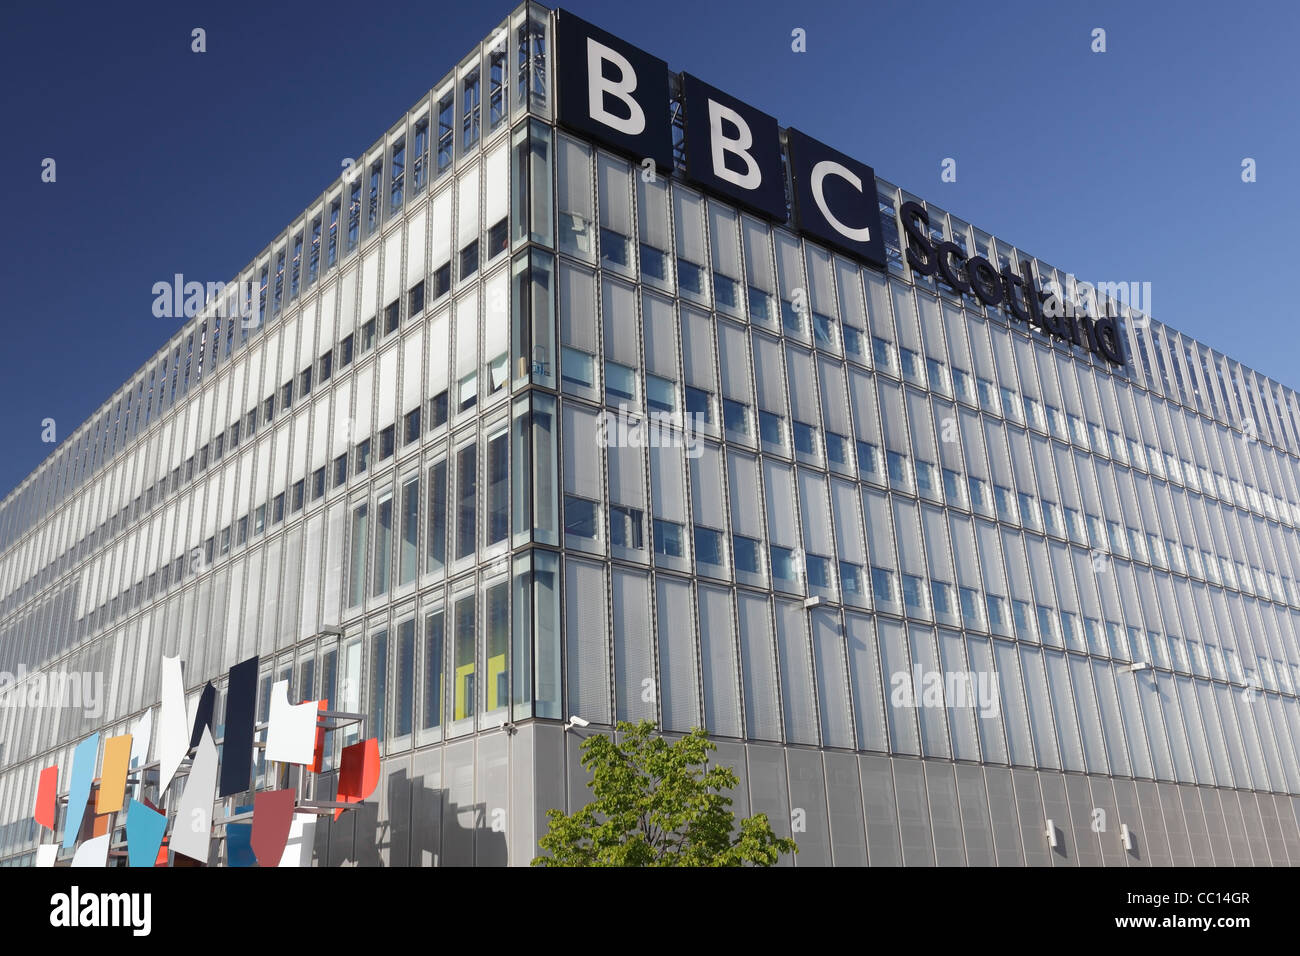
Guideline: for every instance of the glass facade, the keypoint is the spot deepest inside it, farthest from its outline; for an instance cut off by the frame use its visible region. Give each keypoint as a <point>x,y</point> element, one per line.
<point>672,461</point>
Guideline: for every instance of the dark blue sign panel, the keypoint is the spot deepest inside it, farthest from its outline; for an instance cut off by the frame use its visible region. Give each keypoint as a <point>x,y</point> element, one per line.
<point>733,149</point>
<point>835,198</point>
<point>613,92</point>
<point>241,714</point>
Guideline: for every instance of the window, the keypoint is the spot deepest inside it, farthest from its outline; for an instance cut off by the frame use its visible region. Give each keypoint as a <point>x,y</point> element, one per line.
<point>581,517</point>
<point>914,595</point>
<point>436,548</point>
<point>1028,514</point>
<point>783,567</point>
<point>626,527</point>
<point>225,540</point>
<point>438,410</point>
<point>670,539</point>
<point>805,440</point>
<point>997,612</point>
<point>498,488</point>
<point>735,417</point>
<point>620,384</point>
<point>910,363</point>
<point>851,582</point>
<point>392,316</point>
<point>868,461</point>
<point>661,394</point>
<point>883,587</point>
<point>1024,625</point>
<point>411,426</point>
<point>441,280</point>
<point>242,530</point>
<point>367,336</point>
<point>340,469</point>
<point>771,429</point>
<point>1051,519</point>
<point>363,457</point>
<point>1006,504</point>
<point>614,247</point>
<point>345,352</point>
<point>1047,626</point>
<point>987,395</point>
<point>469,260</point>
<point>760,306</point>
<point>952,492</point>
<point>963,385</point>
<point>937,373</point>
<point>899,473</point>
<point>470,94</point>
<point>415,299</point>
<point>727,292</point>
<point>296,500</point>
<point>925,483</point>
<point>837,450</point>
<point>690,277</point>
<point>970,608</point>
<point>852,341</point>
<point>466,499</point>
<point>746,551</point>
<point>577,368</point>
<point>268,409</point>
<point>818,571</point>
<point>467,392</point>
<point>387,442</point>
<point>883,353</point>
<point>941,598</point>
<point>259,520</point>
<point>709,547</point>
<point>699,406</point>
<point>498,238</point>
<point>383,546</point>
<point>654,263</point>
<point>1071,632</point>
<point>357,563</point>
<point>318,483</point>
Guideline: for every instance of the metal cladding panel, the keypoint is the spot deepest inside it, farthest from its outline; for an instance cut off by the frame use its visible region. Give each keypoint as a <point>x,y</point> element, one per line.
<point>241,714</point>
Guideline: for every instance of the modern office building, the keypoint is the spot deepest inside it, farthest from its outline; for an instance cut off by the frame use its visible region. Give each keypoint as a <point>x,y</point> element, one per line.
<point>520,421</point>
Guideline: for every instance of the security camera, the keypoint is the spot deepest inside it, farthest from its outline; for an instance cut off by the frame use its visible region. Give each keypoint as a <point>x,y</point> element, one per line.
<point>576,721</point>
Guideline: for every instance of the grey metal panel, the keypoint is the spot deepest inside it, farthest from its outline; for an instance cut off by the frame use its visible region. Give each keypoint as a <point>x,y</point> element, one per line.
<point>1126,805</point>
<point>1216,826</point>
<point>844,798</point>
<point>578,793</point>
<point>1112,844</point>
<point>1003,816</point>
<point>1153,824</point>
<point>733,756</point>
<point>1033,822</point>
<point>881,812</point>
<point>973,803</point>
<point>1259,847</point>
<point>523,824</point>
<point>369,828</point>
<point>767,790</point>
<point>808,794</point>
<point>1057,809</point>
<point>949,849</point>
<point>1272,836</point>
<point>397,799</point>
<point>548,776</point>
<point>1241,854</point>
<point>492,809</point>
<point>1180,847</point>
<point>913,812</point>
<point>1197,835</point>
<point>427,803</point>
<point>458,818</point>
<point>324,825</point>
<point>1087,847</point>
<point>1286,824</point>
<point>342,837</point>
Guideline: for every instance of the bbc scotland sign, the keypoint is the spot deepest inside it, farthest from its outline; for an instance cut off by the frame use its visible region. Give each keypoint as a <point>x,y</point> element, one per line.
<point>617,95</point>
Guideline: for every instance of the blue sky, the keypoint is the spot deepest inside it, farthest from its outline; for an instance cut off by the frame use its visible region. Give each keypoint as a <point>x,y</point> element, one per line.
<point>1120,166</point>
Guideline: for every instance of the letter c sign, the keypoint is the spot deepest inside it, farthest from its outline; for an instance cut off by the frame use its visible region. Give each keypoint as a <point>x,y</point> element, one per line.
<point>835,198</point>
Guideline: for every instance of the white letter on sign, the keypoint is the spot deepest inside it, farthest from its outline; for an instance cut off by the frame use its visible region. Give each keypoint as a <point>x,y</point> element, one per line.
<point>737,147</point>
<point>826,168</point>
<point>598,86</point>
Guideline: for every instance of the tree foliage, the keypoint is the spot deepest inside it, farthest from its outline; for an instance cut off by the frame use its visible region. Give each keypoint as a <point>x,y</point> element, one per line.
<point>656,803</point>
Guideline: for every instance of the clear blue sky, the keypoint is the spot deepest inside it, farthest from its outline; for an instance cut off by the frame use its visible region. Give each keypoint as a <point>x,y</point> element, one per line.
<point>1117,166</point>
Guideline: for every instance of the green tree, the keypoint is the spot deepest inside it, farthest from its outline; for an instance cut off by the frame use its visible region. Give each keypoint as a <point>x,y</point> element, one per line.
<point>656,804</point>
